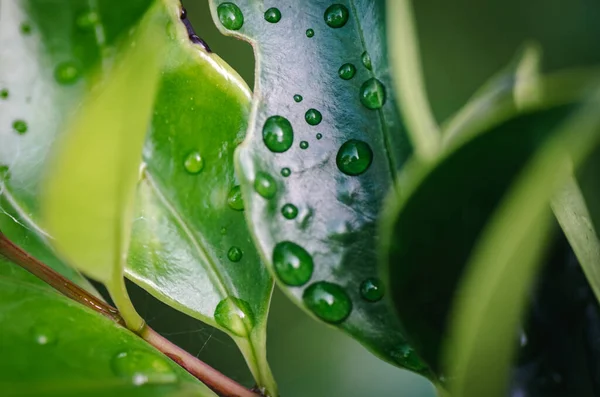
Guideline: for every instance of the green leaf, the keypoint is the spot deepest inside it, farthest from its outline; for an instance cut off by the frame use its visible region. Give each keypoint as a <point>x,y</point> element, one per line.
<point>52,346</point>
<point>315,221</point>
<point>503,265</point>
<point>183,225</point>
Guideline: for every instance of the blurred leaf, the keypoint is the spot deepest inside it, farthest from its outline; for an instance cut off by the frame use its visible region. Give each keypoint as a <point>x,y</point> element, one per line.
<point>504,263</point>
<point>314,223</point>
<point>183,225</point>
<point>52,346</point>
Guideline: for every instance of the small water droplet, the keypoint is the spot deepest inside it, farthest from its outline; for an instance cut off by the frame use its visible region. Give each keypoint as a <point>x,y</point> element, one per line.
<point>66,73</point>
<point>43,335</point>
<point>298,98</point>
<point>278,134</point>
<point>371,289</point>
<point>25,28</point>
<point>347,71</point>
<point>372,94</point>
<point>143,367</point>
<point>313,116</point>
<point>20,126</point>
<point>194,163</point>
<point>235,199</point>
<point>310,33</point>
<point>235,315</point>
<point>407,357</point>
<point>336,16</point>
<point>235,254</point>
<point>285,172</point>
<point>230,16</point>
<point>4,93</point>
<point>303,145</point>
<point>328,301</point>
<point>273,15</point>
<point>319,136</point>
<point>87,20</point>
<point>366,60</point>
<point>289,211</point>
<point>293,265</point>
<point>223,230</point>
<point>354,157</point>
<point>265,185</point>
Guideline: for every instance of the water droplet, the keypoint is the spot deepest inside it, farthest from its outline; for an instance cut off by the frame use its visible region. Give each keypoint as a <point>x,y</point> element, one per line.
<point>273,15</point>
<point>354,157</point>
<point>328,301</point>
<point>372,94</point>
<point>292,264</point>
<point>4,93</point>
<point>66,73</point>
<point>223,230</point>
<point>303,145</point>
<point>319,135</point>
<point>298,98</point>
<point>366,60</point>
<point>336,15</point>
<point>235,199</point>
<point>143,367</point>
<point>407,357</point>
<point>347,71</point>
<point>289,211</point>
<point>265,185</point>
<point>310,33</point>
<point>235,315</point>
<point>194,163</point>
<point>278,134</point>
<point>235,254</point>
<point>371,289</point>
<point>230,16</point>
<point>43,335</point>
<point>285,172</point>
<point>313,116</point>
<point>87,20</point>
<point>25,28</point>
<point>20,126</point>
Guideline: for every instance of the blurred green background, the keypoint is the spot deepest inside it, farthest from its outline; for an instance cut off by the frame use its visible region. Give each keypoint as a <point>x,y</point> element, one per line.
<point>464,42</point>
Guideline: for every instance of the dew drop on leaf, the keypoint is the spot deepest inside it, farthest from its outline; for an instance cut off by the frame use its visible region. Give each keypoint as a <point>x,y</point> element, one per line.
<point>319,136</point>
<point>336,15</point>
<point>87,20</point>
<point>372,94</point>
<point>371,290</point>
<point>4,93</point>
<point>43,335</point>
<point>298,98</point>
<point>235,199</point>
<point>293,265</point>
<point>303,145</point>
<point>143,367</point>
<point>354,157</point>
<point>273,15</point>
<point>264,184</point>
<point>313,116</point>
<point>347,71</point>
<point>278,134</point>
<point>310,33</point>
<point>194,163</point>
<point>328,301</point>
<point>25,28</point>
<point>230,16</point>
<point>235,254</point>
<point>66,73</point>
<point>285,172</point>
<point>289,211</point>
<point>20,126</point>
<point>366,60</point>
<point>235,315</point>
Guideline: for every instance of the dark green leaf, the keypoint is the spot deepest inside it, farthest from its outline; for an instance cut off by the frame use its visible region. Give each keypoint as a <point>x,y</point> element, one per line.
<point>316,143</point>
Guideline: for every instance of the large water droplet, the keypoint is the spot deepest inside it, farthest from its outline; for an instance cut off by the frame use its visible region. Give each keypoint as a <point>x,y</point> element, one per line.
<point>313,116</point>
<point>230,16</point>
<point>366,60</point>
<point>336,15</point>
<point>289,211</point>
<point>87,20</point>
<point>4,93</point>
<point>67,73</point>
<point>303,145</point>
<point>143,367</point>
<point>354,157</point>
<point>43,335</point>
<point>265,185</point>
<point>372,94</point>
<point>285,172</point>
<point>310,33</point>
<point>235,199</point>
<point>292,264</point>
<point>235,254</point>
<point>235,315</point>
<point>20,126</point>
<point>298,98</point>
<point>194,163</point>
<point>273,15</point>
<point>278,134</point>
<point>371,289</point>
<point>347,71</point>
<point>328,301</point>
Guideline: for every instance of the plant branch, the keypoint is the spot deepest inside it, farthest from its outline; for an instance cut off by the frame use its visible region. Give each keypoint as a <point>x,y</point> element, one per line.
<point>212,378</point>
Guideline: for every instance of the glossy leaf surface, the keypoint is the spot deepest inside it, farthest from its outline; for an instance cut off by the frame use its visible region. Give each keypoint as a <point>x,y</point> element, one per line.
<point>324,144</point>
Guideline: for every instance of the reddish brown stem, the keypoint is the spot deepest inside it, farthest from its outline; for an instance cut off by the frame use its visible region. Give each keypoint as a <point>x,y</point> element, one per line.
<point>212,378</point>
